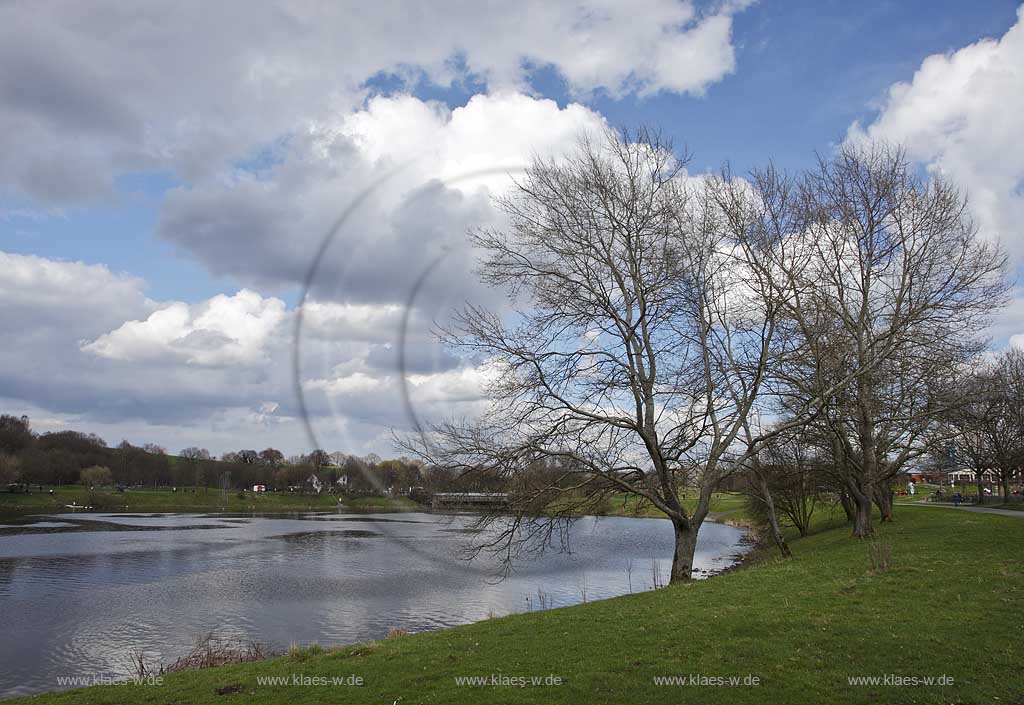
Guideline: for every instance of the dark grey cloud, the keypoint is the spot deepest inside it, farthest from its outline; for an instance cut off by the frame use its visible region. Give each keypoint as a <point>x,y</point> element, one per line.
<point>420,358</point>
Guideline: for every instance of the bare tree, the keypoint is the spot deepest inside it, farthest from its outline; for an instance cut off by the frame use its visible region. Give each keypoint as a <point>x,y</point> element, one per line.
<point>653,321</point>
<point>638,343</point>
<point>10,469</point>
<point>786,475</point>
<point>15,433</point>
<point>194,454</point>
<point>247,456</point>
<point>271,456</point>
<point>988,423</point>
<point>318,459</point>
<point>1009,432</point>
<point>890,286</point>
<point>195,458</point>
<point>97,475</point>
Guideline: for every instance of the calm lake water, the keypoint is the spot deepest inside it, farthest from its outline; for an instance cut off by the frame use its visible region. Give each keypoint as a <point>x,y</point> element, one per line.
<point>78,592</point>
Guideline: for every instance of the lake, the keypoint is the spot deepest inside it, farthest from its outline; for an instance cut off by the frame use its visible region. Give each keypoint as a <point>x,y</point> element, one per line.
<point>78,592</point>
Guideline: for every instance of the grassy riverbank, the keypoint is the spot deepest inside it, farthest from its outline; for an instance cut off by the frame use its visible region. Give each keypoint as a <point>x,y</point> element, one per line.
<point>164,500</point>
<point>950,605</point>
<point>624,505</point>
<point>185,499</point>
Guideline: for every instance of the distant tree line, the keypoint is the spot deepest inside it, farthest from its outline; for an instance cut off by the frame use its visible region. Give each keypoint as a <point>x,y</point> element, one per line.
<point>71,457</point>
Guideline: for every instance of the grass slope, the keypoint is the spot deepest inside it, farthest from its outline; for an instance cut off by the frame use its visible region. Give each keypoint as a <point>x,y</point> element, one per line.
<point>952,604</point>
<point>141,500</point>
<point>627,505</point>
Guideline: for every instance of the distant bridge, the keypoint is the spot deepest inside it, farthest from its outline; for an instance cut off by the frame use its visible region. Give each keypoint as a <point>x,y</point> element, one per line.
<point>442,500</point>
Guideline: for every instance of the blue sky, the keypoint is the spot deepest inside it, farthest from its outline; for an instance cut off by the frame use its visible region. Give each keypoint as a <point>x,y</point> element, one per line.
<point>178,163</point>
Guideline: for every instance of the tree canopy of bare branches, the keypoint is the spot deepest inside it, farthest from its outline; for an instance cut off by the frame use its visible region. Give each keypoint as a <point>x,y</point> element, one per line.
<point>654,318</point>
<point>890,288</point>
<point>637,344</point>
<point>988,425</point>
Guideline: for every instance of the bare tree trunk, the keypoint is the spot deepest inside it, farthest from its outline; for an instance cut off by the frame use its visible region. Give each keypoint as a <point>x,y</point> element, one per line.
<point>848,507</point>
<point>862,521</point>
<point>682,560</point>
<point>883,498</point>
<point>862,527</point>
<point>773,518</point>
<point>1006,487</point>
<point>981,493</point>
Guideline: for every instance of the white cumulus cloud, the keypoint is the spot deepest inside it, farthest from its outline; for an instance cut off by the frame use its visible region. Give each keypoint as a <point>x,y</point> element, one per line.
<point>220,331</point>
<point>960,114</point>
<point>265,228</point>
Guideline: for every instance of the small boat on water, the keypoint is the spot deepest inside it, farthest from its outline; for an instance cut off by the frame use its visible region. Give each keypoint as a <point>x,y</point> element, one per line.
<point>76,506</point>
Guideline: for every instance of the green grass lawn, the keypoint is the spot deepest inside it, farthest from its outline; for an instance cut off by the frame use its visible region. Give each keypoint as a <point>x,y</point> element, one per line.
<point>952,604</point>
<point>143,500</point>
<point>627,506</point>
<point>922,492</point>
